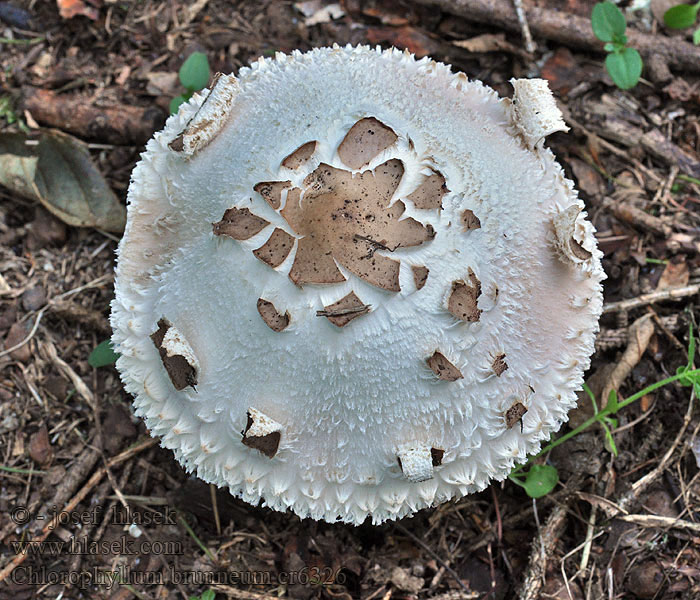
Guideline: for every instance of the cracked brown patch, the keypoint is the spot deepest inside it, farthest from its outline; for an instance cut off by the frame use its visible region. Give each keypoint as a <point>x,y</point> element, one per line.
<point>462,302</point>
<point>578,250</point>
<point>348,218</point>
<point>420,276</point>
<point>343,311</point>
<point>300,156</point>
<point>271,191</point>
<point>366,138</point>
<point>272,317</point>
<point>266,444</point>
<point>239,224</point>
<point>428,195</point>
<point>470,220</point>
<point>443,368</point>
<point>436,454</point>
<point>514,414</point>
<point>180,372</point>
<point>499,364</point>
<point>276,249</point>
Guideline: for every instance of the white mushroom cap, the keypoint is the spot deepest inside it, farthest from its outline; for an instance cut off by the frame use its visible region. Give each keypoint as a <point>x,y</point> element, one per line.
<point>342,277</point>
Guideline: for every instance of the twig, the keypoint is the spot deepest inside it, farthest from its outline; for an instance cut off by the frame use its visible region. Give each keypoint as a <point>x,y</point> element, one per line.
<point>542,549</point>
<point>91,284</point>
<point>617,338</point>
<point>570,30</point>
<point>524,27</point>
<point>77,499</point>
<point>658,521</point>
<point>652,297</point>
<point>437,558</point>
<point>637,217</point>
<point>642,484</point>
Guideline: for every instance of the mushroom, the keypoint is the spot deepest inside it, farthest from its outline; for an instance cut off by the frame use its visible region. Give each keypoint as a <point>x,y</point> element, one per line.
<point>341,274</point>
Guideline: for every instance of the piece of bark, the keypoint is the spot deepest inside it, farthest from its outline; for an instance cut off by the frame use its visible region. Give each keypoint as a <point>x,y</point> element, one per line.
<point>636,217</point>
<point>571,30</point>
<point>120,125</point>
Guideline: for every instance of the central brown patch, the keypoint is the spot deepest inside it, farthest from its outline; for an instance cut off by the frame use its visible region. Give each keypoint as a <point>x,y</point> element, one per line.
<point>347,219</point>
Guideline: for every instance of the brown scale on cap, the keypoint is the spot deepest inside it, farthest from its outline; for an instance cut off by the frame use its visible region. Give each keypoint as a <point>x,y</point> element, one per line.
<point>420,276</point>
<point>499,364</point>
<point>514,414</point>
<point>343,311</point>
<point>462,302</point>
<point>443,368</point>
<point>300,156</point>
<point>366,138</point>
<point>181,373</point>
<point>470,220</point>
<point>276,249</point>
<point>437,454</point>
<point>578,250</point>
<point>428,195</point>
<point>348,218</point>
<point>266,444</point>
<point>271,191</point>
<point>239,224</point>
<point>272,317</point>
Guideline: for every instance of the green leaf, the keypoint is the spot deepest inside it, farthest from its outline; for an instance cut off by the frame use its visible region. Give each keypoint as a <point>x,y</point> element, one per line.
<point>176,102</point>
<point>103,355</point>
<point>611,47</point>
<point>624,67</point>
<point>681,16</point>
<point>59,173</point>
<point>696,37</point>
<point>194,72</point>
<point>613,403</point>
<point>208,595</point>
<point>608,22</point>
<point>540,480</point>
<point>609,441</point>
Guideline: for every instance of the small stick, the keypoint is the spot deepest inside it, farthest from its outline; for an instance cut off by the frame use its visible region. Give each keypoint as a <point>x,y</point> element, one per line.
<point>652,297</point>
<point>341,312</point>
<point>437,558</point>
<point>524,27</point>
<point>658,521</point>
<point>77,499</point>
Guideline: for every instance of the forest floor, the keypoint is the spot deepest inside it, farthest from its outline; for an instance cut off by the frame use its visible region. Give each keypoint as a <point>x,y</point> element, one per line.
<point>625,526</point>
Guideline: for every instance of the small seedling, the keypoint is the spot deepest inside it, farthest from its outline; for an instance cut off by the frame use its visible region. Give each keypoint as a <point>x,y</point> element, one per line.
<point>208,595</point>
<point>194,76</point>
<point>539,480</point>
<point>623,64</point>
<point>682,16</point>
<point>103,355</point>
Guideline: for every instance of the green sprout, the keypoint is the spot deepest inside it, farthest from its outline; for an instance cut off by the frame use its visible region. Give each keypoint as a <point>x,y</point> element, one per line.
<point>194,76</point>
<point>682,16</point>
<point>103,355</point>
<point>623,64</point>
<point>208,595</point>
<point>539,480</point>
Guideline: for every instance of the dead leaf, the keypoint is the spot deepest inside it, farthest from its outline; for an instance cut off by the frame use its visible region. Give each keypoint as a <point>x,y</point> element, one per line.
<point>489,42</point>
<point>73,8</point>
<point>409,38</point>
<point>40,447</point>
<point>162,83</point>
<point>675,274</point>
<point>562,71</point>
<point>638,336</point>
<point>58,172</point>
<point>589,180</point>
